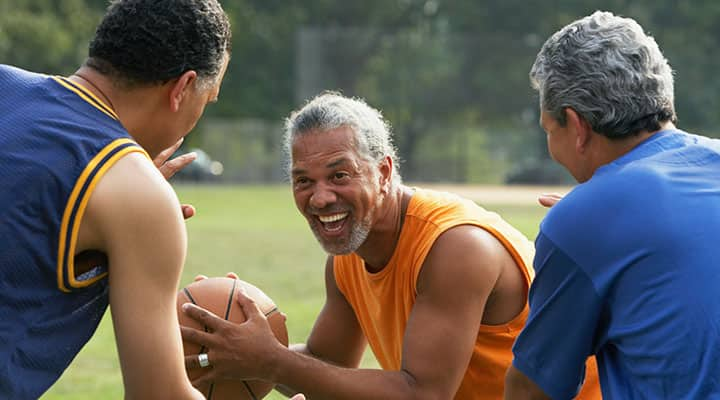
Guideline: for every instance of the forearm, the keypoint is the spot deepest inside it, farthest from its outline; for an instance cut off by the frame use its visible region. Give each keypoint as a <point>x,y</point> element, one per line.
<point>287,390</point>
<point>299,373</point>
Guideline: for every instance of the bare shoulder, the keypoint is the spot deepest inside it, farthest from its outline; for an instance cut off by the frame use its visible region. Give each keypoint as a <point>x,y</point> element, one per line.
<point>134,183</point>
<point>131,192</point>
<point>465,256</point>
<point>465,245</point>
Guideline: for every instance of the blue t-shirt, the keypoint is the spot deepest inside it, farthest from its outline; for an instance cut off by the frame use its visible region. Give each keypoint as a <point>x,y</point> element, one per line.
<point>628,269</point>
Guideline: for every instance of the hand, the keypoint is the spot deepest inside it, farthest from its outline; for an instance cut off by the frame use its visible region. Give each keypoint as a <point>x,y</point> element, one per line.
<point>230,275</point>
<point>299,396</point>
<point>235,351</point>
<point>549,199</point>
<point>170,168</point>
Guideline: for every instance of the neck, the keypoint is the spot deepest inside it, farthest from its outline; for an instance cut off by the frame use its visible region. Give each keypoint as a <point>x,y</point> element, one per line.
<point>379,247</point>
<point>135,107</point>
<point>96,83</point>
<point>608,150</point>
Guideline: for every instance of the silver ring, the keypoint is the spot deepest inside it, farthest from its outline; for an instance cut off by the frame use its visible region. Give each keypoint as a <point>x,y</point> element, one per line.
<point>203,360</point>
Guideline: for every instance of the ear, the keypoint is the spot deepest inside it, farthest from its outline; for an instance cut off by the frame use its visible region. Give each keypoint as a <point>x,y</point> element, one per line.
<point>580,128</point>
<point>386,169</point>
<point>179,89</point>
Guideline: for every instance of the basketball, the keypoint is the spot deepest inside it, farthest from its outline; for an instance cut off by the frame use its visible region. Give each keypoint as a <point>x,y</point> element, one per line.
<point>217,295</point>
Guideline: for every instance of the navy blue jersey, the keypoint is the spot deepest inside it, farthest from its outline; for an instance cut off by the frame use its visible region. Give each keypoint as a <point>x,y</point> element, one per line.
<point>627,269</point>
<point>56,142</point>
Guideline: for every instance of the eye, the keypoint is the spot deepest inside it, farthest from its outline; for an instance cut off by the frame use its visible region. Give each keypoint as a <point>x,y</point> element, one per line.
<point>300,182</point>
<point>341,176</point>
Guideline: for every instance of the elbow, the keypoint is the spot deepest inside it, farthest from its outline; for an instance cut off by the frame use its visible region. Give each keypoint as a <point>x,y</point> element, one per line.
<point>416,390</point>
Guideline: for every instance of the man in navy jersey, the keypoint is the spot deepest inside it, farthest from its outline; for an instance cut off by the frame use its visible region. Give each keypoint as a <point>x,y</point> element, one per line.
<point>627,263</point>
<point>86,219</point>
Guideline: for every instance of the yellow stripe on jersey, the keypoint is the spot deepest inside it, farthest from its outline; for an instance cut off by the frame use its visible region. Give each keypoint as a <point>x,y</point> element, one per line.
<point>68,244</point>
<point>87,95</point>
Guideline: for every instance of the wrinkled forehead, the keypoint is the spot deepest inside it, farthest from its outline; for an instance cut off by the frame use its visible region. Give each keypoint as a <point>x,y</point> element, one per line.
<point>326,150</point>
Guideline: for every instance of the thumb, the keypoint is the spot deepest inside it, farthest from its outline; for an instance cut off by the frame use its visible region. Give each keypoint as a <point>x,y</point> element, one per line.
<point>549,199</point>
<point>250,309</point>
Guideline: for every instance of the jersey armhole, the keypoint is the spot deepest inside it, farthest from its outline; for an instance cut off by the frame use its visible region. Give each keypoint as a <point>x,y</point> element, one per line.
<point>75,209</point>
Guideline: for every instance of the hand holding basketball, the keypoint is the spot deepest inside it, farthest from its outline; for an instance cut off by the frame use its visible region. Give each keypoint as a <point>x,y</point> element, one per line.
<point>238,327</point>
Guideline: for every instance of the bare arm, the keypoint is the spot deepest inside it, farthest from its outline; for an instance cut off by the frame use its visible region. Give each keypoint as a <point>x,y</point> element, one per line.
<point>520,387</point>
<point>136,217</point>
<point>336,336</point>
<point>455,282</point>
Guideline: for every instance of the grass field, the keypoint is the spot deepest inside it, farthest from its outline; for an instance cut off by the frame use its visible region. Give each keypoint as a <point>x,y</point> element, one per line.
<point>256,232</point>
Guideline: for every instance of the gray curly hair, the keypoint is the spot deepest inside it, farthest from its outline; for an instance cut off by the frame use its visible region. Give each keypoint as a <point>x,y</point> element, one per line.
<point>331,110</point>
<point>610,72</point>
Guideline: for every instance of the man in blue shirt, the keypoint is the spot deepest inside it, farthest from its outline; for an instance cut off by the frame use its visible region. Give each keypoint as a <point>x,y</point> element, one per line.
<point>627,263</point>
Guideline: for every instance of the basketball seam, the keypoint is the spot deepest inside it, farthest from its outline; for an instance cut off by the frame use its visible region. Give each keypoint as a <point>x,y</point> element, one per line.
<point>270,312</point>
<point>230,298</point>
<point>249,389</point>
<point>210,391</point>
<point>189,296</point>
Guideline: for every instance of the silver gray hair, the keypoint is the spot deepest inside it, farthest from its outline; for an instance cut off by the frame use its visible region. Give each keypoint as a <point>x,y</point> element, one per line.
<point>610,72</point>
<point>331,110</point>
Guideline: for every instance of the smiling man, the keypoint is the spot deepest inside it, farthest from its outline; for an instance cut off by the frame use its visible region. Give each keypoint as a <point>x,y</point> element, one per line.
<point>435,284</point>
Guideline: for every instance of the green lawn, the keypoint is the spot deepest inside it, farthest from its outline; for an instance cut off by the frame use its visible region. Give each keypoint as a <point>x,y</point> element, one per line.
<point>256,232</point>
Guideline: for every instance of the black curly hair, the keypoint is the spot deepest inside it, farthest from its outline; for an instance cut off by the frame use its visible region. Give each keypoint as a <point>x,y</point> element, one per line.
<point>153,41</point>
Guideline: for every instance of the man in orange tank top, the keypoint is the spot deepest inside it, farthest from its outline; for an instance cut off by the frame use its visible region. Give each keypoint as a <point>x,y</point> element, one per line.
<point>435,284</point>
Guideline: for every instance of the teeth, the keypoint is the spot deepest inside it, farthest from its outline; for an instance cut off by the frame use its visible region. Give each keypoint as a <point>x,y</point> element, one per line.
<point>331,218</point>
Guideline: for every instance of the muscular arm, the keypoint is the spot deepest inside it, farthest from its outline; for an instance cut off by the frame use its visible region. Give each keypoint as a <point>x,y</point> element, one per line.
<point>136,219</point>
<point>454,284</point>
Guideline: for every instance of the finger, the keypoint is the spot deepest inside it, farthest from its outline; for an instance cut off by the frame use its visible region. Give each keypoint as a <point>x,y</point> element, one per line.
<point>171,167</point>
<point>549,199</point>
<point>192,362</point>
<point>250,309</point>
<point>165,154</point>
<point>199,277</point>
<point>188,211</point>
<point>203,316</point>
<point>298,396</point>
<point>232,275</point>
<point>196,336</point>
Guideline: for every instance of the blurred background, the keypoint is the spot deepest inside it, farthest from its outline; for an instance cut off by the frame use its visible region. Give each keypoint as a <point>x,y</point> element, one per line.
<point>451,76</point>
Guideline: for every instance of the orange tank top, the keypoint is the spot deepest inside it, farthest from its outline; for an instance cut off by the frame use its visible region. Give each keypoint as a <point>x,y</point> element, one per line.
<point>383,301</point>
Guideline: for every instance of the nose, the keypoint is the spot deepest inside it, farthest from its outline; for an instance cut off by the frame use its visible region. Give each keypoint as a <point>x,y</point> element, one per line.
<point>322,196</point>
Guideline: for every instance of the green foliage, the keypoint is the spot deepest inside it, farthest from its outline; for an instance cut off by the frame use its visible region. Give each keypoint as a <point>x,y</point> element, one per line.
<point>430,65</point>
<point>257,233</point>
<point>46,35</point>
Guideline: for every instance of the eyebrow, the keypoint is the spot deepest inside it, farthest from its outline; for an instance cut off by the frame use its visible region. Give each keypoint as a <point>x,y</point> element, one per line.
<point>331,164</point>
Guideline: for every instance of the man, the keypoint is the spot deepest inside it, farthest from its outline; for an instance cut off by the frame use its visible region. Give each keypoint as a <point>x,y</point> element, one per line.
<point>627,262</point>
<point>87,219</point>
<point>434,283</point>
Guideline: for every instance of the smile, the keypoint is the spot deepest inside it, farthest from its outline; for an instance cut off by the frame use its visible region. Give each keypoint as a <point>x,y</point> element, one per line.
<point>325,219</point>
